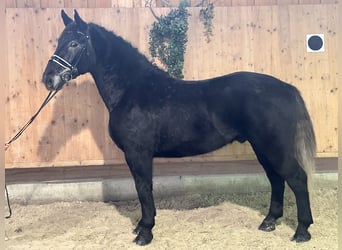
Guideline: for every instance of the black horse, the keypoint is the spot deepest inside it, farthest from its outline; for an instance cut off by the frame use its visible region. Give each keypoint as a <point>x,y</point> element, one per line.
<point>155,115</point>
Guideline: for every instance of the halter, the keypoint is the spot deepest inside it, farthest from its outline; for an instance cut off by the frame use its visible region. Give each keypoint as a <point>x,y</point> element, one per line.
<point>70,71</point>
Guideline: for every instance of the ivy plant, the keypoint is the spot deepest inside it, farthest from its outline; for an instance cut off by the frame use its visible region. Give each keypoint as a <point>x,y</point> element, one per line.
<point>168,35</point>
<point>206,17</point>
<point>168,38</point>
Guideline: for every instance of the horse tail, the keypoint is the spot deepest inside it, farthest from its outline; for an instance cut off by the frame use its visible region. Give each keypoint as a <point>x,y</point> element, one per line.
<point>305,142</point>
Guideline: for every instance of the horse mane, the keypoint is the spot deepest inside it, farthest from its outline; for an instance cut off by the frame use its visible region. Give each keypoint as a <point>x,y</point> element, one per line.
<point>115,51</point>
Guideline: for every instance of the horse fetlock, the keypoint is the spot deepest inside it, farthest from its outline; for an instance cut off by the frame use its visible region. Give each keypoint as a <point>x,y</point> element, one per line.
<point>144,236</point>
<point>140,228</point>
<point>137,230</point>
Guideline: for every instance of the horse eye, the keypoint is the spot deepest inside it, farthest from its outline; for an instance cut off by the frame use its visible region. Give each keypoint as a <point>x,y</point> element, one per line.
<point>73,44</point>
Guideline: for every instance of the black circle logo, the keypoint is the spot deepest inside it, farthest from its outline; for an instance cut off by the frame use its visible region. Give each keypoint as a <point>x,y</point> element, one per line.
<point>315,42</point>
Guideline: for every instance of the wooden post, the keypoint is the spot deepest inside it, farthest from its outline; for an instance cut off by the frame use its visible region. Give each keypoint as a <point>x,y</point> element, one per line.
<point>339,56</point>
<point>4,80</point>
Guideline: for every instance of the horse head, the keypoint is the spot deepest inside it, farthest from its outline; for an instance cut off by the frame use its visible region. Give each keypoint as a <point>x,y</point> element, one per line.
<point>73,56</point>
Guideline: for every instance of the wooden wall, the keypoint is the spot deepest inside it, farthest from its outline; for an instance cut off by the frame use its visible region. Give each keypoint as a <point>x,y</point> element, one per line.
<point>154,3</point>
<point>72,129</point>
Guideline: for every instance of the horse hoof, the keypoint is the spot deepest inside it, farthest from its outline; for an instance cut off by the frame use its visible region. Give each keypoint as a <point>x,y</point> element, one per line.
<point>144,237</point>
<point>267,226</point>
<point>301,237</point>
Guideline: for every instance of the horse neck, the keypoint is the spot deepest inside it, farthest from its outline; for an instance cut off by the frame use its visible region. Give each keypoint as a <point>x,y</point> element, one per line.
<point>118,65</point>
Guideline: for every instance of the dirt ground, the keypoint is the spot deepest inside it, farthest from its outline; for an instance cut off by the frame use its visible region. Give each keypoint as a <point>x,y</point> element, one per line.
<point>197,221</point>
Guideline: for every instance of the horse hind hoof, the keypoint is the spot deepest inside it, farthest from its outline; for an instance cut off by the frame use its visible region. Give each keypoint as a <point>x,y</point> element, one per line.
<point>144,237</point>
<point>302,237</point>
<point>267,226</point>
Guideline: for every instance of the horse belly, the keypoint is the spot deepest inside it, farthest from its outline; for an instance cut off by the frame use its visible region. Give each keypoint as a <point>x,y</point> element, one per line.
<point>191,140</point>
<point>189,148</point>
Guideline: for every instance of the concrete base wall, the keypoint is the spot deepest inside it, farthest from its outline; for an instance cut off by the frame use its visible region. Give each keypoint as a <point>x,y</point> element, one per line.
<point>124,189</point>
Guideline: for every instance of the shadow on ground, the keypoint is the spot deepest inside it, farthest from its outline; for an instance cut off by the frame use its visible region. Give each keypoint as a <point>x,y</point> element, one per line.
<point>257,201</point>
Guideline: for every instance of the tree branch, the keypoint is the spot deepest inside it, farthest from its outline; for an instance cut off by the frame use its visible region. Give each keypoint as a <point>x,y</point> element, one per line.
<point>148,3</point>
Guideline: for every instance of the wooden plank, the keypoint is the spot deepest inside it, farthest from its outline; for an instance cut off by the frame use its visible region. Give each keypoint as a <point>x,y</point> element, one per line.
<point>286,2</point>
<point>28,3</point>
<point>169,3</point>
<point>138,3</point>
<point>99,3</point>
<point>192,65</point>
<point>75,3</point>
<point>222,3</point>
<point>242,2</point>
<point>329,1</point>
<point>19,59</point>
<point>309,1</point>
<point>10,3</point>
<point>4,87</point>
<point>123,3</point>
<point>327,77</point>
<point>339,79</point>
<point>52,3</point>
<point>265,2</point>
<point>122,171</point>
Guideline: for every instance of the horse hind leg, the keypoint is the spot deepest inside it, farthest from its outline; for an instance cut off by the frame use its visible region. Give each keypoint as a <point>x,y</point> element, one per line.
<point>296,178</point>
<point>298,183</point>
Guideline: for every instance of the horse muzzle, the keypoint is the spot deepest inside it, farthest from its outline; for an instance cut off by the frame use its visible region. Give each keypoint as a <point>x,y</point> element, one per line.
<point>56,81</point>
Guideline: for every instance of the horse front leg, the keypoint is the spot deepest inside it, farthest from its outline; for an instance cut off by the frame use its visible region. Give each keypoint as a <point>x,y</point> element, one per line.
<point>277,201</point>
<point>277,195</point>
<point>140,165</point>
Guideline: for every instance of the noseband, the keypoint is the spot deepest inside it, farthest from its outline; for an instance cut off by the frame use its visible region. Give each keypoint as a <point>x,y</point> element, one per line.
<point>70,70</point>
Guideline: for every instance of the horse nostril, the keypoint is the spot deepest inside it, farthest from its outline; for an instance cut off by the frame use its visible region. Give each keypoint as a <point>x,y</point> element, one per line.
<point>48,81</point>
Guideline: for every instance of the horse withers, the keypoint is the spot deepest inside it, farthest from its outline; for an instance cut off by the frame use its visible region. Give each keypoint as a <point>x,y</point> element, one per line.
<point>154,115</point>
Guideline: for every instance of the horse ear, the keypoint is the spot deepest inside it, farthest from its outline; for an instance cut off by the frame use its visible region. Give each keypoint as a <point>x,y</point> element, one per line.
<point>66,18</point>
<point>80,23</point>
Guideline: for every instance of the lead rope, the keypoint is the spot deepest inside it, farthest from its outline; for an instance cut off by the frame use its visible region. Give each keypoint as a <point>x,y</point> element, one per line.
<point>8,204</point>
<point>8,143</point>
